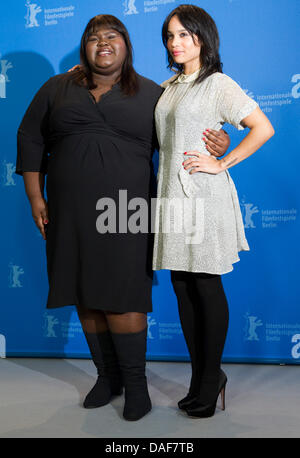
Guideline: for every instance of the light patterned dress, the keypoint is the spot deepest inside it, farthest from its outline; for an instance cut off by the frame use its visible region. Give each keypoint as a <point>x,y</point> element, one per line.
<point>198,221</point>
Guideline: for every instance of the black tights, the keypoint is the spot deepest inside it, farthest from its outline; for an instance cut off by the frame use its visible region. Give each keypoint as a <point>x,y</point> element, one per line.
<point>203,312</point>
<point>98,321</point>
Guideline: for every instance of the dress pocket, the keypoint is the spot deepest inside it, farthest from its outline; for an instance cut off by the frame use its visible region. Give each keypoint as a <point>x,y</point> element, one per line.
<point>196,185</point>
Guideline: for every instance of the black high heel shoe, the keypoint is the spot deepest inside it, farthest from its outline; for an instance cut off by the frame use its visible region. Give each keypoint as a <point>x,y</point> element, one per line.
<point>187,401</point>
<point>198,410</point>
<point>194,389</point>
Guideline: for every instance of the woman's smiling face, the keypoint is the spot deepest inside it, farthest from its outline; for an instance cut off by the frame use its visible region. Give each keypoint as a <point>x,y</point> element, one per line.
<point>106,51</point>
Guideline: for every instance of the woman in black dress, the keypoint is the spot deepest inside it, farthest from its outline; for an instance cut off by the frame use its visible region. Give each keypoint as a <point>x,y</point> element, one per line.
<point>92,132</point>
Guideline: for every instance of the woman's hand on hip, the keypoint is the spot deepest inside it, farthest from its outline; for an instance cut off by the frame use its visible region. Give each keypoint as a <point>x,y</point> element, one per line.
<point>217,141</point>
<point>198,162</point>
<point>39,210</point>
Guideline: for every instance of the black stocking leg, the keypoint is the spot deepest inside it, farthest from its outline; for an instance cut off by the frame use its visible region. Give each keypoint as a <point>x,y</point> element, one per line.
<point>187,308</point>
<point>214,313</point>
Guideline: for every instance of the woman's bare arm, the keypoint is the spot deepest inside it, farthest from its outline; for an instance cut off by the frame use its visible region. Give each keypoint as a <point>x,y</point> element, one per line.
<point>261,130</point>
<point>34,187</point>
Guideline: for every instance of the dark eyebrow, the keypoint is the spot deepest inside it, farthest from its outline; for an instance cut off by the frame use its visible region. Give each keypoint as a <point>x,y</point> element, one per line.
<point>111,31</point>
<point>181,30</point>
<point>107,32</point>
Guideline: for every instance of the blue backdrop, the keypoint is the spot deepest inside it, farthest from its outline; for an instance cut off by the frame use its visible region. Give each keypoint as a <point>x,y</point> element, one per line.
<point>40,38</point>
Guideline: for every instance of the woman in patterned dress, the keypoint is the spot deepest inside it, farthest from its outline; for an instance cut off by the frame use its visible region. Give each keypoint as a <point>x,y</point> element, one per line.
<point>197,187</point>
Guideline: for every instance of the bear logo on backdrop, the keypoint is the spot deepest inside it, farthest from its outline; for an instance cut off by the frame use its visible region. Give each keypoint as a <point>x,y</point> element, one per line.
<point>129,7</point>
<point>14,276</point>
<point>270,218</point>
<point>251,325</point>
<point>5,65</point>
<point>248,210</point>
<point>4,79</point>
<point>2,87</point>
<point>146,6</point>
<point>51,16</point>
<point>8,178</point>
<point>151,322</point>
<point>49,322</point>
<point>32,11</point>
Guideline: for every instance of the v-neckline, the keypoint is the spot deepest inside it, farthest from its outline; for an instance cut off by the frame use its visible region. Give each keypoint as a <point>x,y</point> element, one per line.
<point>93,99</point>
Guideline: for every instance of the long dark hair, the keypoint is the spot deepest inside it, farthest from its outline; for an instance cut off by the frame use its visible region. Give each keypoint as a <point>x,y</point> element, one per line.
<point>83,75</point>
<point>200,24</point>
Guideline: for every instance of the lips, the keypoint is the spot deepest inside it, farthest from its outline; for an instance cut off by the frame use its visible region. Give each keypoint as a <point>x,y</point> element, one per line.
<point>104,52</point>
<point>177,53</point>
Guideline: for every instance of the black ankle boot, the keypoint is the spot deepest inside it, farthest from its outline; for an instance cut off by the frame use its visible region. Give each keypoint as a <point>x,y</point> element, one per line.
<point>109,381</point>
<point>131,351</point>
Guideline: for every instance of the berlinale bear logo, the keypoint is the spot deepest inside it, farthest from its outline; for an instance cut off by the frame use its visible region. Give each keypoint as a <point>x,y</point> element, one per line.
<point>250,330</point>
<point>151,322</point>
<point>32,10</point>
<point>5,66</point>
<point>14,276</point>
<point>129,7</point>
<point>8,178</point>
<point>49,322</point>
<point>248,209</point>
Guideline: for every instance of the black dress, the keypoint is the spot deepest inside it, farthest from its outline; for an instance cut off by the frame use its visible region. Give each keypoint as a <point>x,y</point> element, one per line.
<point>92,151</point>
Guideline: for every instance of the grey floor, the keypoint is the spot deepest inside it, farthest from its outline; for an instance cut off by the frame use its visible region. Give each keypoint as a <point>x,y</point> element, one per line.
<point>42,398</point>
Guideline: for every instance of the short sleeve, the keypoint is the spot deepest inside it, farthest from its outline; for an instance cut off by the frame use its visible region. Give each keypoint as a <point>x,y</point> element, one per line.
<point>234,103</point>
<point>32,132</point>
